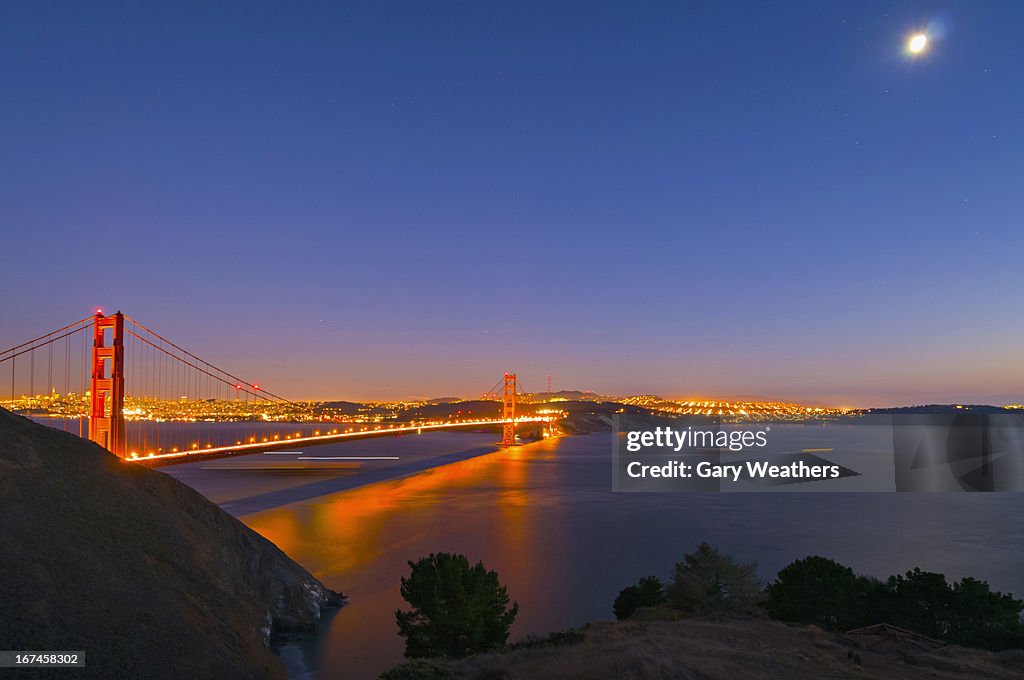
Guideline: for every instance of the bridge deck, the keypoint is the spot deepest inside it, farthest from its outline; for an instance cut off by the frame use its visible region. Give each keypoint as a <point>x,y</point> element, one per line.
<point>196,454</point>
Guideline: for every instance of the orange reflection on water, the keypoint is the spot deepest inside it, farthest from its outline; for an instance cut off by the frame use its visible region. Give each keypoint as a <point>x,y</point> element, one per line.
<point>359,542</point>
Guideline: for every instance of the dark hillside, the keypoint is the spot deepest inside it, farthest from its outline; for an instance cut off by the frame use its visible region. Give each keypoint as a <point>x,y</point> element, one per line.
<point>144,574</point>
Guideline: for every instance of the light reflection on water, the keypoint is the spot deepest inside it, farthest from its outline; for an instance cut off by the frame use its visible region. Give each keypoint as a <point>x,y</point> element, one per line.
<point>545,518</point>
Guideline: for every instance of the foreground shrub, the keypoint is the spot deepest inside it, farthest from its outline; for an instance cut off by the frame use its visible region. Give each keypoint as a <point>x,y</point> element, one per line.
<point>649,592</point>
<point>457,609</point>
<point>417,670</point>
<point>817,590</point>
<point>561,638</point>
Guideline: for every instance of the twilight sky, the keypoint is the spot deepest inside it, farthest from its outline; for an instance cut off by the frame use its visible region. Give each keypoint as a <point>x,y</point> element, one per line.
<point>384,199</point>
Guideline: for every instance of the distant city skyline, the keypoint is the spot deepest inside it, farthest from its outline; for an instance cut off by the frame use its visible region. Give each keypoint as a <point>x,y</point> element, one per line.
<point>387,201</point>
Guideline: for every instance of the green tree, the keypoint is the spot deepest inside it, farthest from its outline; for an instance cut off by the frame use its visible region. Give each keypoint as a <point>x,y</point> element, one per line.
<point>457,609</point>
<point>823,592</point>
<point>982,618</point>
<point>649,592</point>
<point>921,601</point>
<point>817,590</point>
<point>708,582</point>
<point>967,613</point>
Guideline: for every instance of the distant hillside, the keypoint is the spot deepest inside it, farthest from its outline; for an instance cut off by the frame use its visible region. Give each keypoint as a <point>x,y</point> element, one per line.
<point>484,409</point>
<point>942,408</point>
<point>348,408</point>
<point>574,395</point>
<point>147,576</point>
<point>587,416</point>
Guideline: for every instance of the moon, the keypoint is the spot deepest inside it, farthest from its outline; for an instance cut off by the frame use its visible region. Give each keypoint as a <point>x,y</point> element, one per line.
<point>917,43</point>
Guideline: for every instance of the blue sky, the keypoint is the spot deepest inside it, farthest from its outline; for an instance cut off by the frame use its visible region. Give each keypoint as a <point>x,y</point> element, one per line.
<point>383,200</point>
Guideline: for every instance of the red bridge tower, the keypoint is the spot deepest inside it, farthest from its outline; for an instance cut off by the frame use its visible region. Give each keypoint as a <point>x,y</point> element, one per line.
<point>508,410</point>
<point>106,427</point>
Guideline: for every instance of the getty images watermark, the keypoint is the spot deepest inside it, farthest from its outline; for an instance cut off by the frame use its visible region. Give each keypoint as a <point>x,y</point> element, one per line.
<point>968,452</point>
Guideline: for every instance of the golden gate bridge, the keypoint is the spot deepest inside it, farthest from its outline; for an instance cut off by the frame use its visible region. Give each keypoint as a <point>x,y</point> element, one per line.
<point>148,400</point>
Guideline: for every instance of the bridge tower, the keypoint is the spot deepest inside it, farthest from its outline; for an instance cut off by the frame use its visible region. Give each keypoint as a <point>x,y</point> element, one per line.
<point>508,410</point>
<point>107,429</point>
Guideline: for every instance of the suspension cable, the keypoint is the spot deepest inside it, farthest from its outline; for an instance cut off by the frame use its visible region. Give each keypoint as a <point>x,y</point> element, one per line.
<point>212,375</point>
<point>30,349</point>
<point>235,378</point>
<point>43,337</point>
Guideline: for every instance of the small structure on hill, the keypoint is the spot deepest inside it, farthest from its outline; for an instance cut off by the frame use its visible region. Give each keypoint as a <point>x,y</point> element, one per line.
<point>884,637</point>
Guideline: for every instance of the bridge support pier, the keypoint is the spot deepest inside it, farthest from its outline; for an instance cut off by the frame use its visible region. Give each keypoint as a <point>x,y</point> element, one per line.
<point>107,428</point>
